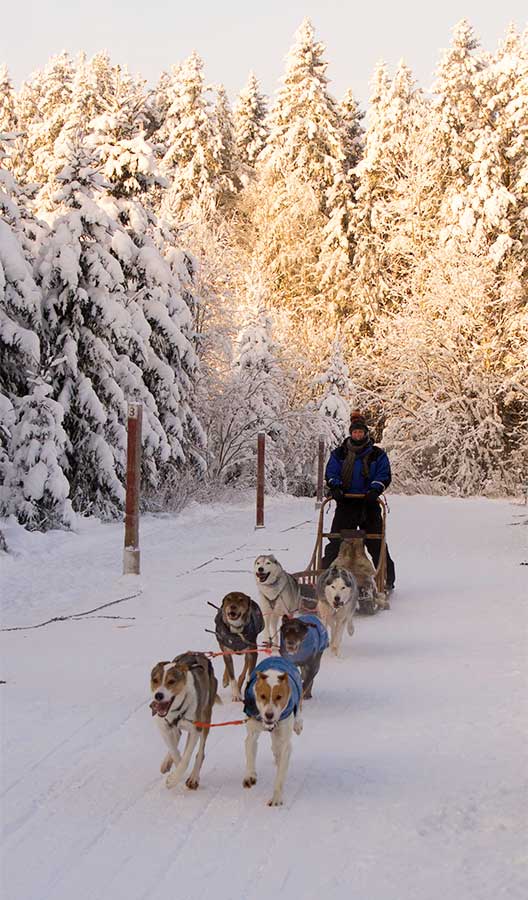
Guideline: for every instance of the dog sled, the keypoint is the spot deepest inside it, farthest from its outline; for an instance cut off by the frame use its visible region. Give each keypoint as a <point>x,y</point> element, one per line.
<point>307,579</point>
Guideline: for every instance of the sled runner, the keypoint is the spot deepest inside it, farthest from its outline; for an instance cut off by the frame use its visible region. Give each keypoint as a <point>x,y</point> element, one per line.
<point>308,577</point>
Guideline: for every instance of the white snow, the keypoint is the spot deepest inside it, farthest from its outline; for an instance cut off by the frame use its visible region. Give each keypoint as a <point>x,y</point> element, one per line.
<point>408,782</point>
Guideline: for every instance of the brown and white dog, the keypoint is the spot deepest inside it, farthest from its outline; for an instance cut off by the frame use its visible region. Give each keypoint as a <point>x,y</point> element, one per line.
<point>238,624</point>
<point>184,692</point>
<point>272,702</point>
<point>353,556</point>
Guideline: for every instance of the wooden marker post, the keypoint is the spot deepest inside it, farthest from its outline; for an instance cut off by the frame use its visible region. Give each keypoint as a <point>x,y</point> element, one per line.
<point>131,552</point>
<point>261,441</point>
<point>320,472</point>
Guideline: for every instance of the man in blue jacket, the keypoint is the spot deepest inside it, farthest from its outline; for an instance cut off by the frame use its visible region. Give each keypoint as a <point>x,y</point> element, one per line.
<point>358,467</point>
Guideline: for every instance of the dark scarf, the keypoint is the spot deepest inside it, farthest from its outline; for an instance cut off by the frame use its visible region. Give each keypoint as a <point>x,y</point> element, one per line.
<point>352,451</point>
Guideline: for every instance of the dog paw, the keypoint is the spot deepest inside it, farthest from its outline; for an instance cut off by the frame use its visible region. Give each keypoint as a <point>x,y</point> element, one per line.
<point>235,696</point>
<point>249,781</point>
<point>192,783</point>
<point>275,801</point>
<point>173,779</point>
<point>307,696</point>
<point>166,764</point>
<point>298,726</point>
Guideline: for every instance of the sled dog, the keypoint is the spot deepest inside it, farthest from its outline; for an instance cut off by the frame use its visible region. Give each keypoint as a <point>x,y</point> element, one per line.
<point>238,624</point>
<point>353,556</point>
<point>279,593</point>
<point>184,692</point>
<point>337,593</point>
<point>272,702</point>
<point>303,641</point>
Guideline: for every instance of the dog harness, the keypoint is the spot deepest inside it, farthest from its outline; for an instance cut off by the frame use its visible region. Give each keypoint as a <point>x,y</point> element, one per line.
<point>280,665</point>
<point>240,639</point>
<point>315,641</point>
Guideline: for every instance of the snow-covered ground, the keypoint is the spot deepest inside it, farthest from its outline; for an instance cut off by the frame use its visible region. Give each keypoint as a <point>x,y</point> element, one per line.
<point>409,781</point>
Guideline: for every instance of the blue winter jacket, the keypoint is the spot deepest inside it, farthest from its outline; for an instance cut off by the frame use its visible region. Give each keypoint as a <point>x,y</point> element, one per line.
<point>282,665</point>
<point>378,465</point>
<point>315,641</point>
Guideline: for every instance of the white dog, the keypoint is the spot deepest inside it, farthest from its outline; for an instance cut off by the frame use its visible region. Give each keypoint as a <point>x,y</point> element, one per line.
<point>273,701</point>
<point>279,594</point>
<point>337,593</point>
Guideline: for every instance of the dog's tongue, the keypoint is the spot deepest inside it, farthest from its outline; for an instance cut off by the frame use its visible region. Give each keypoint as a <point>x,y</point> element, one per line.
<point>263,575</point>
<point>160,708</point>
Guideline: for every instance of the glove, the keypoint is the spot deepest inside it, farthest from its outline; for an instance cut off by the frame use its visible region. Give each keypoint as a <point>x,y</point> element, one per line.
<point>371,498</point>
<point>337,492</point>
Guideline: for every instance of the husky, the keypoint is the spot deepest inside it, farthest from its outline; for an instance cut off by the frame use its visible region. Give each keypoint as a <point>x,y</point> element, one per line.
<point>337,593</point>
<point>352,556</point>
<point>272,702</point>
<point>184,692</point>
<point>279,594</point>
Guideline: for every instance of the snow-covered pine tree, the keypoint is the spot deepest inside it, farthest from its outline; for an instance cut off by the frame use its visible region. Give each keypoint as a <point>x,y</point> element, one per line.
<point>92,85</point>
<point>395,186</point>
<point>489,209</point>
<point>251,401</point>
<point>442,389</point>
<point>42,107</point>
<point>35,488</point>
<point>8,120</point>
<point>303,165</point>
<point>334,404</point>
<point>159,277</point>
<point>460,119</point>
<point>192,160</point>
<point>117,137</point>
<point>229,164</point>
<point>352,116</point>
<point>87,331</point>
<point>20,312</point>
<point>250,123</point>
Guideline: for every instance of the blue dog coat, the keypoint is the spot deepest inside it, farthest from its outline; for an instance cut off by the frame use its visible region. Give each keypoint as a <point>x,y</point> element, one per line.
<point>315,641</point>
<point>281,665</point>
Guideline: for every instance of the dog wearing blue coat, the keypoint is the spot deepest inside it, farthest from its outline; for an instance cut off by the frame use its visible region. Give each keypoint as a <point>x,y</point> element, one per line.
<point>303,641</point>
<point>272,702</point>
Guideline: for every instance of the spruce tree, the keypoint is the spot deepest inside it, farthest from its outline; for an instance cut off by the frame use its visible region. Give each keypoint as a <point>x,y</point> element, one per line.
<point>87,331</point>
<point>36,488</point>
<point>192,159</point>
<point>250,122</point>
<point>304,197</point>
<point>334,404</point>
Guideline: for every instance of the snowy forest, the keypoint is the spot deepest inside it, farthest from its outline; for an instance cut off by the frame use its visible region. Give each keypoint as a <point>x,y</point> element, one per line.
<point>245,264</point>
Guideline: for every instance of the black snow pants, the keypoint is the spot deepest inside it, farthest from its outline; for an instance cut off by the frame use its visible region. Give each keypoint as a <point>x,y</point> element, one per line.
<point>351,514</point>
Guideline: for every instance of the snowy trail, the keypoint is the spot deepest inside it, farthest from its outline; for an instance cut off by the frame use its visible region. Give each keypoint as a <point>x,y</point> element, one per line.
<point>410,780</point>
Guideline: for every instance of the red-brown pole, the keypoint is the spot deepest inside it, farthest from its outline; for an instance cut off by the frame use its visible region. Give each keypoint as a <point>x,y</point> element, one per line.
<point>261,441</point>
<point>131,552</point>
<point>320,472</point>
